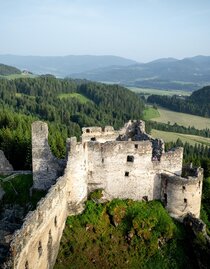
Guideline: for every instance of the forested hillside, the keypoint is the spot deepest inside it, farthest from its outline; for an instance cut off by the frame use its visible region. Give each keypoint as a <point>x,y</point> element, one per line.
<point>6,70</point>
<point>67,105</point>
<point>198,103</point>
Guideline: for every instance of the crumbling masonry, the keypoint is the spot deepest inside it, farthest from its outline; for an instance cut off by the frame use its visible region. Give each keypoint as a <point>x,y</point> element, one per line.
<point>126,164</point>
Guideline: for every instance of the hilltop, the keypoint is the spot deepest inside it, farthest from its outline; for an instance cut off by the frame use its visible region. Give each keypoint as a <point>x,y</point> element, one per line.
<point>198,103</point>
<point>6,70</point>
<point>62,66</point>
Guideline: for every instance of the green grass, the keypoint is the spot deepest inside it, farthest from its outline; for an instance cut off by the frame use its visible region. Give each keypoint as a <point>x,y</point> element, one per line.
<point>170,136</point>
<point>182,119</point>
<point>22,75</point>
<point>147,91</point>
<point>22,94</point>
<point>17,190</point>
<point>81,98</point>
<point>122,234</point>
<point>150,113</point>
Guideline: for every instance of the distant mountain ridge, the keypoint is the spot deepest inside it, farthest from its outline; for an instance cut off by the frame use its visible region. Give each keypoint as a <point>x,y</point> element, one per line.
<point>62,66</point>
<point>165,73</point>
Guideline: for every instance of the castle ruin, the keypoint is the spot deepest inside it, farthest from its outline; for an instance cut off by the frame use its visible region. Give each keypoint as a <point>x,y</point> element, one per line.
<point>125,164</point>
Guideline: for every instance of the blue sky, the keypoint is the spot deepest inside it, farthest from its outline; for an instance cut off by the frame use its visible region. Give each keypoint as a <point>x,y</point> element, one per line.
<point>142,30</point>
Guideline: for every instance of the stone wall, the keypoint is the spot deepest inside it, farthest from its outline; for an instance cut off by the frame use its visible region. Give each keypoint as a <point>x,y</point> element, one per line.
<point>36,244</point>
<point>46,168</point>
<point>5,166</point>
<point>122,169</point>
<point>182,195</point>
<point>99,134</point>
<point>76,172</point>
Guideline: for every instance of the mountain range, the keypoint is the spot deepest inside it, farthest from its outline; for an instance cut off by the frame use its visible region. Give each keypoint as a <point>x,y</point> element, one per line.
<point>166,73</point>
<point>62,66</point>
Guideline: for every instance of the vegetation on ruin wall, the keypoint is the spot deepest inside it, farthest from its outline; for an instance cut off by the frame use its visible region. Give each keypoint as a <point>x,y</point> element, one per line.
<point>123,234</point>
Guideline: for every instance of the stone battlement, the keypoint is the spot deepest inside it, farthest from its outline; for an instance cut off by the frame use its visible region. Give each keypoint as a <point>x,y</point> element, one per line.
<point>126,164</point>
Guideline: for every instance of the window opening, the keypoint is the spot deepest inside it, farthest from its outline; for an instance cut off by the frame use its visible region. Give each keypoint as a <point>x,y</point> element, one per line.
<point>130,158</point>
<point>165,198</point>
<point>40,249</point>
<point>145,198</point>
<point>26,265</point>
<point>126,174</point>
<point>55,221</point>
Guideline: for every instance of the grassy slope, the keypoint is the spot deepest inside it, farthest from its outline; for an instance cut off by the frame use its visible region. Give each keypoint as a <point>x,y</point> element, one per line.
<point>165,116</point>
<point>81,98</point>
<point>147,91</point>
<point>123,234</point>
<point>170,136</point>
<point>150,113</point>
<point>17,190</point>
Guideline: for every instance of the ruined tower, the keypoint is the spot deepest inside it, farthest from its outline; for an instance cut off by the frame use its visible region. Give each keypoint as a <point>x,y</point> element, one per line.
<point>46,167</point>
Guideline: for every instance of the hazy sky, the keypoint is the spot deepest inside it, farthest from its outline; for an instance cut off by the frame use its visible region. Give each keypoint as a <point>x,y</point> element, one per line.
<point>138,29</point>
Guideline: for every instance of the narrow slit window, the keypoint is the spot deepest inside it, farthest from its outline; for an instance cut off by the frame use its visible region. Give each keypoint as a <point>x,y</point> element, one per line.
<point>102,160</point>
<point>183,188</point>
<point>130,158</point>
<point>165,198</point>
<point>185,200</point>
<point>55,221</point>
<point>136,146</point>
<point>40,249</point>
<point>126,174</point>
<point>26,265</point>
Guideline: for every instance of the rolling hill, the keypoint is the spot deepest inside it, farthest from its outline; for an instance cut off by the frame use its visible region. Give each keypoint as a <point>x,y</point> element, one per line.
<point>6,70</point>
<point>62,66</point>
<point>188,74</point>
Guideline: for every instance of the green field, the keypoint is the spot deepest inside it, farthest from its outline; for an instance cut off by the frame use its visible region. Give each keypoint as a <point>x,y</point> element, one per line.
<point>22,94</point>
<point>147,91</point>
<point>81,98</point>
<point>182,119</point>
<point>22,75</point>
<point>169,136</point>
<point>150,113</point>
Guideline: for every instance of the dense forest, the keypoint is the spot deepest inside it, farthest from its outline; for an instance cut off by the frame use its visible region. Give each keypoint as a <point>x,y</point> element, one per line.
<point>198,103</point>
<point>67,105</point>
<point>6,70</point>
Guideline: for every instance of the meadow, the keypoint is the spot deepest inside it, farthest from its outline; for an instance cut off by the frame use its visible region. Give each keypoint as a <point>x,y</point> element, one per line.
<point>81,98</point>
<point>167,116</point>
<point>149,91</point>
<point>172,137</point>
